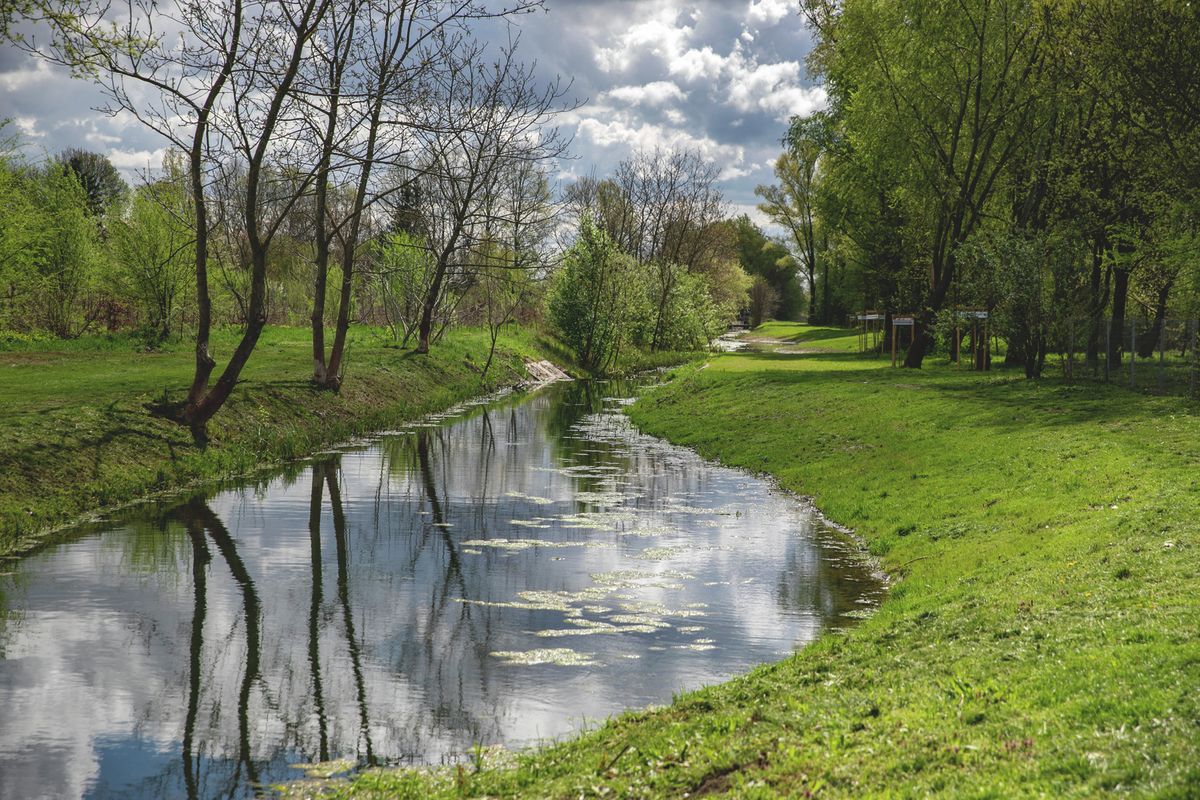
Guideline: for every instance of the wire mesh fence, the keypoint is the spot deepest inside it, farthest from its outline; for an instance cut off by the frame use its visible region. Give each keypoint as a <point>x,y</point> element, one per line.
<point>1147,355</point>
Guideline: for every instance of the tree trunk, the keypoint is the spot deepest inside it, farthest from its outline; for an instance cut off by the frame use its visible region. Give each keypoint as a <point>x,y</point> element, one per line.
<point>1119,298</point>
<point>1099,302</point>
<point>425,330</point>
<point>1148,342</point>
<point>826,317</point>
<point>322,263</point>
<point>333,378</point>
<point>196,416</point>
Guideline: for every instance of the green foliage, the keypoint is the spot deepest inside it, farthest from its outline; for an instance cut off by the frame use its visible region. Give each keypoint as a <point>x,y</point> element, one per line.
<point>154,248</point>
<point>762,256</point>
<point>598,296</point>
<point>403,269</point>
<point>1068,125</point>
<point>61,278</point>
<point>764,299</point>
<point>689,319</point>
<point>103,186</point>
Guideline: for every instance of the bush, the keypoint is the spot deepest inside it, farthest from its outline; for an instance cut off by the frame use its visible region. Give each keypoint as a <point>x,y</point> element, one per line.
<point>597,297</point>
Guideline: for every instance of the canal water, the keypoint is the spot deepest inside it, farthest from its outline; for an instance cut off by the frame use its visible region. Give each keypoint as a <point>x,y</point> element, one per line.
<point>506,574</point>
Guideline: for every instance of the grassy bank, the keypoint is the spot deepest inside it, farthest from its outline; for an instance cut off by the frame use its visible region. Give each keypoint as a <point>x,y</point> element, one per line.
<point>75,436</point>
<point>1042,636</point>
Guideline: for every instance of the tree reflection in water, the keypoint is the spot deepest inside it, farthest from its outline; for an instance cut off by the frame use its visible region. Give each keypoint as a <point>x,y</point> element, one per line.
<point>343,586</point>
<point>200,560</point>
<point>314,613</point>
<point>197,515</point>
<point>353,607</point>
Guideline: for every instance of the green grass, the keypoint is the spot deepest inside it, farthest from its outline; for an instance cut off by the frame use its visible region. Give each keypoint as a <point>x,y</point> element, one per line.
<point>1041,637</point>
<point>75,436</point>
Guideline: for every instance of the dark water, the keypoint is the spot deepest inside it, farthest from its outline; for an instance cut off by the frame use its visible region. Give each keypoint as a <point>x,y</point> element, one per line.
<point>509,575</point>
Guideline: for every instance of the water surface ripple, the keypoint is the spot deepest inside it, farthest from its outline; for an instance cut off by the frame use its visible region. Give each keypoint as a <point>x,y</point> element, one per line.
<point>506,575</point>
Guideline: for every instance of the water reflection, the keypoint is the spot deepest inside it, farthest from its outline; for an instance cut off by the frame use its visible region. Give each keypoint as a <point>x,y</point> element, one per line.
<point>498,578</point>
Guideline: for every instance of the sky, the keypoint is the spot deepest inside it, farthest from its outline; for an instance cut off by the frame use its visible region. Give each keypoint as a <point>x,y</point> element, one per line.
<point>718,77</point>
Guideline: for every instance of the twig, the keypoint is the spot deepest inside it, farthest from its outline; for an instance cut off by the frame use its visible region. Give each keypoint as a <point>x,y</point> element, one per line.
<point>615,759</point>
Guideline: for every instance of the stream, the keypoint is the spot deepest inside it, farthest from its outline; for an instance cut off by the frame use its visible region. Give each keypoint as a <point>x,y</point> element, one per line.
<point>505,574</point>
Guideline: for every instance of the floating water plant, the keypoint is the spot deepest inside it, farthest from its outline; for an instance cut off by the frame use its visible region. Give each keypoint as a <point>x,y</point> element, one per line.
<point>525,544</point>
<point>541,501</point>
<point>559,656</point>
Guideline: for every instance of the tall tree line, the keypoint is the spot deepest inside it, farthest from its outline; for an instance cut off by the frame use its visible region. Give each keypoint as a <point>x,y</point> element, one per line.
<point>1033,158</point>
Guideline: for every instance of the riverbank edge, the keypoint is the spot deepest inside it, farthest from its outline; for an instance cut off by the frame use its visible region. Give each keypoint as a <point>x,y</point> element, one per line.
<point>334,419</point>
<point>1012,660</point>
<point>164,461</point>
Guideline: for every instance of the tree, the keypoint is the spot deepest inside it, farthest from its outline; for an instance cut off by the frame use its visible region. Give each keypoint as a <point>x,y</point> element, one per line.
<point>403,270</point>
<point>665,210</point>
<point>174,86</point>
<point>66,255</point>
<point>376,64</point>
<point>491,119</point>
<point>596,296</point>
<point>101,182</point>
<point>153,246</point>
<point>762,256</point>
<point>20,221</point>
<point>763,300</point>
<point>946,92</point>
<point>791,203</point>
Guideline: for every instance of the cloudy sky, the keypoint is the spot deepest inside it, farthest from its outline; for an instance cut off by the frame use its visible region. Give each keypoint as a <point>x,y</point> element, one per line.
<point>718,76</point>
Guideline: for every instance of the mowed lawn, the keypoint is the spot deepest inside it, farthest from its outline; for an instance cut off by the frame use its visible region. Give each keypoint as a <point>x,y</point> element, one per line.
<point>1042,634</point>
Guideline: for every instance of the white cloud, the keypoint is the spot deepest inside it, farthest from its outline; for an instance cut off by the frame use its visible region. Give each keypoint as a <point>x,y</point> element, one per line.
<point>656,93</point>
<point>630,133</point>
<point>774,89</point>
<point>738,78</point>
<point>658,35</point>
<point>694,64</point>
<point>731,173</point>
<point>28,126</point>
<point>768,12</point>
<point>136,161</point>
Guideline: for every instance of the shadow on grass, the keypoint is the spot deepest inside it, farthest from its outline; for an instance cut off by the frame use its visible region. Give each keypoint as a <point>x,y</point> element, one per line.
<point>1004,402</point>
<point>820,335</point>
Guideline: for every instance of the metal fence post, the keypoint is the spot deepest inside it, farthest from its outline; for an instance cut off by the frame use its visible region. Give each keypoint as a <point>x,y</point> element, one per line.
<point>1132,352</point>
<point>1162,358</point>
<point>1194,324</point>
<point>1107,348</point>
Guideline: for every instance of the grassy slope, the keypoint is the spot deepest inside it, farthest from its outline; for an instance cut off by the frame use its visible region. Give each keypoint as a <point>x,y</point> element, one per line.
<point>74,434</point>
<point>1043,634</point>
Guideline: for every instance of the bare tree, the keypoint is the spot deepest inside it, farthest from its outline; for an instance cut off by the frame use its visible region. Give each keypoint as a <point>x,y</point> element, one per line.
<point>172,84</point>
<point>261,126</point>
<point>492,118</point>
<point>522,217</point>
<point>381,56</point>
<point>215,79</point>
